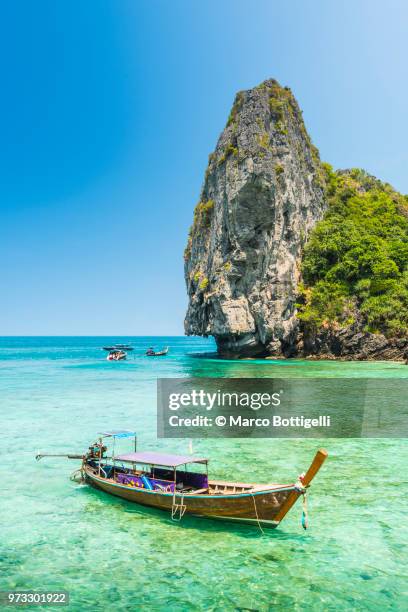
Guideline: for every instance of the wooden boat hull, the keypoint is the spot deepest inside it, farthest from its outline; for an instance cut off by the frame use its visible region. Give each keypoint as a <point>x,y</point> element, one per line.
<point>265,507</point>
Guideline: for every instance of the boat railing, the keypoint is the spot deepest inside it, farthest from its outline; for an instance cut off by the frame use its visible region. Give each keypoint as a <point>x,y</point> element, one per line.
<point>100,468</point>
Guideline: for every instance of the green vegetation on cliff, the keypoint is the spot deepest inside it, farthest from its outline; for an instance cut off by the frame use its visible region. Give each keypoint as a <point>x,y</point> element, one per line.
<point>202,221</point>
<point>355,264</point>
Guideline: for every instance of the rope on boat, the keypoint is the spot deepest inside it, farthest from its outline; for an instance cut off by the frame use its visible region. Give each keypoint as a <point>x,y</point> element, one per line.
<point>256,514</point>
<point>74,475</point>
<point>81,472</point>
<point>300,488</point>
<point>305,516</point>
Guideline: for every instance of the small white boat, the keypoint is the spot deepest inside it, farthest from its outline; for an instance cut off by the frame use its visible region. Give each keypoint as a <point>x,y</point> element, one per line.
<point>116,355</point>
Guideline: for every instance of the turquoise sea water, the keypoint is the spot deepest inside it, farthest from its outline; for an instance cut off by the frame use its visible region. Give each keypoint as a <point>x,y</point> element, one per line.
<point>56,393</point>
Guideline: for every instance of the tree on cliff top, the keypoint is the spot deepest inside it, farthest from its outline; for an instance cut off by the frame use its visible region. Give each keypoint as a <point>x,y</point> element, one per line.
<point>355,264</point>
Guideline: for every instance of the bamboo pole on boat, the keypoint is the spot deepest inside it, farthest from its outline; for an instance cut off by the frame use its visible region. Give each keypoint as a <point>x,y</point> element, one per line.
<point>319,458</point>
<point>100,455</point>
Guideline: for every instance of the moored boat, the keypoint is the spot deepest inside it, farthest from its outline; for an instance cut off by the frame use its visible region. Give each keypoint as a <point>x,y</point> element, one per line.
<point>116,355</point>
<point>179,484</point>
<point>152,353</point>
<point>118,347</point>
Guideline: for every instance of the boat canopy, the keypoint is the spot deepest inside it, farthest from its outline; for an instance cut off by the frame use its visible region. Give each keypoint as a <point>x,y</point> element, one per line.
<point>159,459</point>
<point>120,433</point>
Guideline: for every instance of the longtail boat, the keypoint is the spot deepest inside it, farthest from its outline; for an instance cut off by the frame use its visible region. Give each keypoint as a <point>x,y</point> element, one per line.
<point>152,353</point>
<point>165,482</point>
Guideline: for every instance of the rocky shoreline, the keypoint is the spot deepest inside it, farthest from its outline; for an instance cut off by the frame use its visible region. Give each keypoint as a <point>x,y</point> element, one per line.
<point>343,345</point>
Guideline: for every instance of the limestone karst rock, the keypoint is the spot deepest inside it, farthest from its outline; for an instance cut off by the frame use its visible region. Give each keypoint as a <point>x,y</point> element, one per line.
<point>262,194</point>
<point>285,256</point>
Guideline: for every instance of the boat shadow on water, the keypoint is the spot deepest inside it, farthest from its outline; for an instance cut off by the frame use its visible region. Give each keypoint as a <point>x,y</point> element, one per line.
<point>188,522</point>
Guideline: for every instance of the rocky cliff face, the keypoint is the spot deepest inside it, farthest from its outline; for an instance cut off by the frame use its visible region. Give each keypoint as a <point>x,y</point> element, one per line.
<point>263,193</point>
<point>287,257</point>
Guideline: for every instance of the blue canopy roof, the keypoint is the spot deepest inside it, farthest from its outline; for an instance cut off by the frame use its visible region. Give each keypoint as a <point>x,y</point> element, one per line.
<point>119,433</point>
<point>152,458</point>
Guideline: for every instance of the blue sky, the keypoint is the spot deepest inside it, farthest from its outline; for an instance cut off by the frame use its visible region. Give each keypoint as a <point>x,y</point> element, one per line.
<point>109,110</point>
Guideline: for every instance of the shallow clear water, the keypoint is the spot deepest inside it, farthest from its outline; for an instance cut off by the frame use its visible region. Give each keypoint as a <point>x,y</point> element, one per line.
<point>56,393</point>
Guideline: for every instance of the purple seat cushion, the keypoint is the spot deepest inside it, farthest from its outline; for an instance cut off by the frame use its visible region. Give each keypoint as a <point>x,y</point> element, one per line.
<point>128,478</point>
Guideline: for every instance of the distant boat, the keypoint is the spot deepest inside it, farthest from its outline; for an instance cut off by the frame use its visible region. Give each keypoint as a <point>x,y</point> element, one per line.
<point>118,347</point>
<point>152,353</point>
<point>116,355</point>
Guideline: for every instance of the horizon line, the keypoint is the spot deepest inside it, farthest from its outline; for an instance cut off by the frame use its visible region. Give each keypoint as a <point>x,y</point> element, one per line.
<point>98,336</point>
